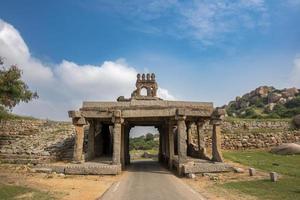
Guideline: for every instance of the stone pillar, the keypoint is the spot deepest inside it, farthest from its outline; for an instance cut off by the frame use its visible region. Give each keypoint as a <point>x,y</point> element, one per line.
<point>123,146</point>
<point>91,140</point>
<point>171,145</point>
<point>79,136</point>
<point>127,130</point>
<point>201,142</point>
<point>166,132</point>
<point>216,141</point>
<point>189,138</point>
<point>182,137</point>
<point>117,131</point>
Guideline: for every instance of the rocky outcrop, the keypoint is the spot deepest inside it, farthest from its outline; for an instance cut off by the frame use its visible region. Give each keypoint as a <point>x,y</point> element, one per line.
<point>262,101</point>
<point>35,141</point>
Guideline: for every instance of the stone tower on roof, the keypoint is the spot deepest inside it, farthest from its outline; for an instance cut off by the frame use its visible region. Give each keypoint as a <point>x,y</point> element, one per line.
<point>148,82</point>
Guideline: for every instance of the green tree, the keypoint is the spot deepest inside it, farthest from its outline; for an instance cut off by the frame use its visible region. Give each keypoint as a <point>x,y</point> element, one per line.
<point>149,136</point>
<point>13,89</point>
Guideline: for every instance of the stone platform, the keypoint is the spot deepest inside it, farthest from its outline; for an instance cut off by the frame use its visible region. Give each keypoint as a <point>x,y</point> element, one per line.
<point>87,168</point>
<point>202,166</point>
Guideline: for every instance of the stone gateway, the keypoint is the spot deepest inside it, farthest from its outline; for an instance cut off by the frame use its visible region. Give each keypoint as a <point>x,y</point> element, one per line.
<point>109,124</point>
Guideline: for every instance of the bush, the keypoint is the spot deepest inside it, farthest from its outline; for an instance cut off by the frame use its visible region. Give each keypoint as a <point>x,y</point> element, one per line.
<point>293,103</point>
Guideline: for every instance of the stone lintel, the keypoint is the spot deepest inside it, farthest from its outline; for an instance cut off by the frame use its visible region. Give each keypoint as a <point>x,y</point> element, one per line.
<point>215,121</point>
<point>79,121</point>
<point>74,114</point>
<point>136,113</point>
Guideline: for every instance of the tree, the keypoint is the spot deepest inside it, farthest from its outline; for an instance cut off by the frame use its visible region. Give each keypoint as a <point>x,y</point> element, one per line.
<point>149,136</point>
<point>13,89</point>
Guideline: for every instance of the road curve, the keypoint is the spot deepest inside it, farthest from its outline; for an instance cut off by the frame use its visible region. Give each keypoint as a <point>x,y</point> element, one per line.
<point>147,180</point>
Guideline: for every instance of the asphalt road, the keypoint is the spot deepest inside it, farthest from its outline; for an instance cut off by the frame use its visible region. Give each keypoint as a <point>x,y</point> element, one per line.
<point>147,180</point>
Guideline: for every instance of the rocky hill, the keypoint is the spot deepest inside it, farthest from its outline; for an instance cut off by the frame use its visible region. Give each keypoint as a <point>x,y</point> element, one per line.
<point>266,102</point>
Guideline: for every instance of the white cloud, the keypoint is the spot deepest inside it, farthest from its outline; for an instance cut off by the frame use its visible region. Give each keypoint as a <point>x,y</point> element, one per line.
<point>164,94</point>
<point>64,86</point>
<point>296,72</point>
<point>201,20</point>
<point>209,21</point>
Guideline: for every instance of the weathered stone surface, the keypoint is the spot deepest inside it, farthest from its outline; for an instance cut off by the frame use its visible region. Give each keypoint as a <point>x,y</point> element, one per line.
<point>43,170</point>
<point>274,97</point>
<point>286,149</point>
<point>273,176</point>
<point>207,167</point>
<point>252,172</point>
<point>191,175</point>
<point>296,121</point>
<point>35,141</point>
<point>238,170</point>
<point>78,148</point>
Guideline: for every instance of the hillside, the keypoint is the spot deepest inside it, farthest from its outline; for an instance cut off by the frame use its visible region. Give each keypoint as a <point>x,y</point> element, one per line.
<point>266,102</point>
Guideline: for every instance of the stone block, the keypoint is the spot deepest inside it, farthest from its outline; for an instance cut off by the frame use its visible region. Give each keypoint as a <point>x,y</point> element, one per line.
<point>252,172</point>
<point>191,175</point>
<point>273,176</point>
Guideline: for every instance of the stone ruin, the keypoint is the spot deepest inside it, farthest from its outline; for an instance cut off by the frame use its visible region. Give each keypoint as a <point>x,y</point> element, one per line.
<point>109,124</point>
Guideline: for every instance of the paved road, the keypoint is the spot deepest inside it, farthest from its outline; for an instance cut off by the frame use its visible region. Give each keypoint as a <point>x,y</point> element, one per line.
<point>147,180</point>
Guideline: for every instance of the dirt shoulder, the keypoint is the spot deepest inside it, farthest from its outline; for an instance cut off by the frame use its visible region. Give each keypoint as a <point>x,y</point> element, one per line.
<point>61,186</point>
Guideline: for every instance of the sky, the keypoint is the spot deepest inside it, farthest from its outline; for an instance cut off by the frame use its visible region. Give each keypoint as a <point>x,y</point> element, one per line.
<point>207,51</point>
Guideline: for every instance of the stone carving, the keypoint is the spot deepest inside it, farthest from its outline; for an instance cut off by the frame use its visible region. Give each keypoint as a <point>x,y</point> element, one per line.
<point>149,83</point>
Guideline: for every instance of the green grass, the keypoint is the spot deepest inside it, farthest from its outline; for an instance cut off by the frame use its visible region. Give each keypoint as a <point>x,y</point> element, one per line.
<point>288,186</point>
<point>284,189</point>
<point>151,151</point>
<point>283,164</point>
<point>8,192</point>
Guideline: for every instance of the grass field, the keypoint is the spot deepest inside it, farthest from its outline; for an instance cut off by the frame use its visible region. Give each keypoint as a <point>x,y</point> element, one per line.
<point>9,192</point>
<point>288,186</point>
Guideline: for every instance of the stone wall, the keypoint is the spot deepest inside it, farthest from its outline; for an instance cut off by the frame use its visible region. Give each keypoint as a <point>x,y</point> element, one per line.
<point>35,141</point>
<point>252,133</point>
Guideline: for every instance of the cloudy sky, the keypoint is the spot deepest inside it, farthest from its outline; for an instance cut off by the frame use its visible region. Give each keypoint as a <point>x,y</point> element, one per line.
<point>201,50</point>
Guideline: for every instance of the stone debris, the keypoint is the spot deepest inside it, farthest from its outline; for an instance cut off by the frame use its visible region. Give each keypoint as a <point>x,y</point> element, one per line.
<point>43,170</point>
<point>238,170</point>
<point>191,175</point>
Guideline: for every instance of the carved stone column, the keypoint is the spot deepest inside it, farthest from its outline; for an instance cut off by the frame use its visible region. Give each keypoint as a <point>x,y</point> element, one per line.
<point>117,120</point>
<point>201,142</point>
<point>182,137</point>
<point>91,140</point>
<point>78,147</point>
<point>171,144</point>
<point>189,137</point>
<point>216,141</point>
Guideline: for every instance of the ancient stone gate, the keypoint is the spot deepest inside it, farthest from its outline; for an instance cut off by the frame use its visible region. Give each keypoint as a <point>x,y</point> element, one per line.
<point>110,123</point>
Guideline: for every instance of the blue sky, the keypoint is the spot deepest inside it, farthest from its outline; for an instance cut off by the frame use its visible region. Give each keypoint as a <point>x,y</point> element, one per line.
<point>200,50</point>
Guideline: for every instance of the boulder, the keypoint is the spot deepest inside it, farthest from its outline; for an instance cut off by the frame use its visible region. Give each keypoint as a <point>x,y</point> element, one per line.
<point>286,149</point>
<point>296,121</point>
<point>274,97</point>
<point>290,92</point>
<point>270,106</point>
<point>262,91</point>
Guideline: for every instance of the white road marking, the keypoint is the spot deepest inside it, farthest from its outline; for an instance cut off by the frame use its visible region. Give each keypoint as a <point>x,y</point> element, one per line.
<point>116,187</point>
